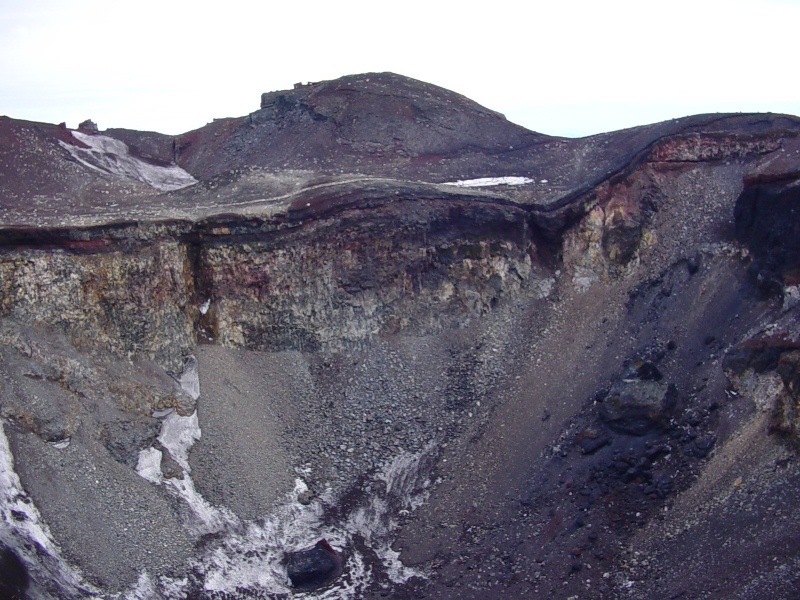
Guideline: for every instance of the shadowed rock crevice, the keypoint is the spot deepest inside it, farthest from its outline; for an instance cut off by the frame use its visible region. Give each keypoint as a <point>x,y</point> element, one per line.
<point>768,221</point>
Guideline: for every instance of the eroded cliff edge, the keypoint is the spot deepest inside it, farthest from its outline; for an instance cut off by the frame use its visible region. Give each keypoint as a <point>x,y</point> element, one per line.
<point>343,320</point>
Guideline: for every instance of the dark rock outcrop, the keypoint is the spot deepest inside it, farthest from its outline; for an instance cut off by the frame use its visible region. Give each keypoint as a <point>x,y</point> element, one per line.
<point>788,410</point>
<point>124,439</point>
<point>88,126</point>
<point>591,440</point>
<point>766,365</point>
<point>376,123</point>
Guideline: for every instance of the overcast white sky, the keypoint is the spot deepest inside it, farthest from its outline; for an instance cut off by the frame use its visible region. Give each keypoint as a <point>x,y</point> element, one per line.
<point>559,67</point>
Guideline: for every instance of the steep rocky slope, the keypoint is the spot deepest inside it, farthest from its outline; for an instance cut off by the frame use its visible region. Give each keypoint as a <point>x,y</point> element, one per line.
<point>225,346</point>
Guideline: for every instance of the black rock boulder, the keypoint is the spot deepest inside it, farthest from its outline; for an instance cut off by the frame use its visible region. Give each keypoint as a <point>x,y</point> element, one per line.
<point>315,567</point>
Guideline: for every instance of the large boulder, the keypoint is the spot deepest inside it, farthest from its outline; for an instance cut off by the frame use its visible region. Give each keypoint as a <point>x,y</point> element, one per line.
<point>639,403</point>
<point>313,568</point>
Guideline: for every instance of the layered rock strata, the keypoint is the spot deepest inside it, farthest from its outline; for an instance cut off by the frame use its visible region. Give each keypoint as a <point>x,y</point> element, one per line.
<point>328,272</point>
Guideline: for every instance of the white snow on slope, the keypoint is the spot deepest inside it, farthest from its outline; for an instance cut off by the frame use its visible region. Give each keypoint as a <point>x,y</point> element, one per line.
<point>178,435</point>
<point>490,181</point>
<point>109,155</point>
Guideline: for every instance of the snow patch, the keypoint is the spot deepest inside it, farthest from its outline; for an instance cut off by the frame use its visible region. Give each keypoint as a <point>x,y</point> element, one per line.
<point>149,465</point>
<point>202,518</point>
<point>13,500</point>
<point>178,435</point>
<point>61,444</point>
<point>374,522</point>
<point>145,589</point>
<point>248,558</point>
<point>108,155</point>
<point>491,181</point>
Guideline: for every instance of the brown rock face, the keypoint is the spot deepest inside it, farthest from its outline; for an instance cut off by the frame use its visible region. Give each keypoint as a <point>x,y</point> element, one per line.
<point>697,147</point>
<point>609,237</point>
<point>767,362</point>
<point>336,271</point>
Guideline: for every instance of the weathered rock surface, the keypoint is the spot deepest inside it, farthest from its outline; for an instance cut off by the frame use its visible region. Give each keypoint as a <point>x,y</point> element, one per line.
<point>346,265</point>
<point>765,366</point>
<point>125,301</point>
<point>346,279</point>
